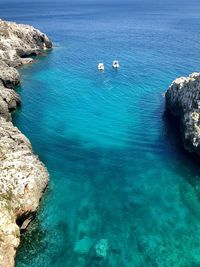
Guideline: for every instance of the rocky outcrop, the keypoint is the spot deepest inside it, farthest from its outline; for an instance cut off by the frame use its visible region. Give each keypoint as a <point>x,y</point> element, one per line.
<point>9,100</point>
<point>183,101</point>
<point>18,41</point>
<point>23,178</point>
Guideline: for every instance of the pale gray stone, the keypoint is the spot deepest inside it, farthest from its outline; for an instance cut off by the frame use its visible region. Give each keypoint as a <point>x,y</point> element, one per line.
<point>23,177</point>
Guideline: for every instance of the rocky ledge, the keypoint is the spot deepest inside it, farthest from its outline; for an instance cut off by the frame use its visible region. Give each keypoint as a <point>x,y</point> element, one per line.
<point>183,101</point>
<point>23,178</point>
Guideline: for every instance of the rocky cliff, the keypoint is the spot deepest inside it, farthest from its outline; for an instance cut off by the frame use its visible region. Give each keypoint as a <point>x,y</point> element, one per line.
<point>23,177</point>
<point>183,101</point>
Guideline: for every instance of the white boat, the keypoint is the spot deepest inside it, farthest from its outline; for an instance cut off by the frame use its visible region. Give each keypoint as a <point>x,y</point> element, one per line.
<point>101,66</point>
<point>115,64</point>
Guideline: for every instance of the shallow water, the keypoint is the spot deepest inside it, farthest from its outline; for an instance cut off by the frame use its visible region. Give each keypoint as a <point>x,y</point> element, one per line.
<point>123,192</point>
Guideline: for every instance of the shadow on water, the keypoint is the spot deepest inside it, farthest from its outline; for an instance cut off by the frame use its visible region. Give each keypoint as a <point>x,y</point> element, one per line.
<point>101,210</point>
<point>190,161</point>
<point>109,205</point>
<point>189,167</point>
<point>111,194</point>
<point>34,242</point>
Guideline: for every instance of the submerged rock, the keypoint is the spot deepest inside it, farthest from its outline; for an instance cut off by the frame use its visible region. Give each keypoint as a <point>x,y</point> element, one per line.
<point>23,177</point>
<point>83,245</point>
<point>101,248</point>
<point>183,101</point>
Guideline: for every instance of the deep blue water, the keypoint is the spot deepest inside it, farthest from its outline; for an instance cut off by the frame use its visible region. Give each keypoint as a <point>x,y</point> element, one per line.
<point>121,184</point>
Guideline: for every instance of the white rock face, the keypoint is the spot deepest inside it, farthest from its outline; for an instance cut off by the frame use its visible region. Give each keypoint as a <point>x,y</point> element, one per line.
<point>17,43</point>
<point>23,177</point>
<point>183,100</point>
<point>18,40</point>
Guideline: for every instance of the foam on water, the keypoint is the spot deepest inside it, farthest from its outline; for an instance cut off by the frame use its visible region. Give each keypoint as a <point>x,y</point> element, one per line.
<point>123,192</point>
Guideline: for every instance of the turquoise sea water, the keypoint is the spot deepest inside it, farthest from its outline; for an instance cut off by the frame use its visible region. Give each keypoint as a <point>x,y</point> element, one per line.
<point>123,192</point>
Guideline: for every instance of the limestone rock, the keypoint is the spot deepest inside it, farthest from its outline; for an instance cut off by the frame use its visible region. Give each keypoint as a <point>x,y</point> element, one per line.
<point>23,178</point>
<point>18,41</point>
<point>9,76</point>
<point>183,101</point>
<point>9,100</point>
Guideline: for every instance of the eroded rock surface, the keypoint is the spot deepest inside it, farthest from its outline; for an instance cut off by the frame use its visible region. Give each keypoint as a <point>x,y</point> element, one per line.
<point>23,177</point>
<point>183,101</point>
<point>18,41</point>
